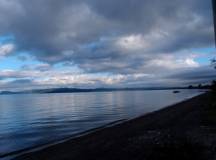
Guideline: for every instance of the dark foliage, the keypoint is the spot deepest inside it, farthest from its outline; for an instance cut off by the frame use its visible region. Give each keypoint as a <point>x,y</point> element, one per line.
<point>213,87</point>
<point>213,62</point>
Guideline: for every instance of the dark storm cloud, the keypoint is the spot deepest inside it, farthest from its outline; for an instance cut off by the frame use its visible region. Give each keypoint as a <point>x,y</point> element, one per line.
<point>74,31</point>
<point>195,76</point>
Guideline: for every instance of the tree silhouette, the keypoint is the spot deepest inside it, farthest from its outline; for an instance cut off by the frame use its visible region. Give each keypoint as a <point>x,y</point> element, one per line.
<point>214,17</point>
<point>213,62</point>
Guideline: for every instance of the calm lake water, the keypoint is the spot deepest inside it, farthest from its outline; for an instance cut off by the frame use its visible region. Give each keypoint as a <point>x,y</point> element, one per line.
<point>34,119</point>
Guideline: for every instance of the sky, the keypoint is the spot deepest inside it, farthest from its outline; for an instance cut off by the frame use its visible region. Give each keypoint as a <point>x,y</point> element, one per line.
<point>105,43</point>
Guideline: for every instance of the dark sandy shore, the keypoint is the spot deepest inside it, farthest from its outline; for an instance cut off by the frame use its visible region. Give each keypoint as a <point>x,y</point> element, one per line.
<point>184,131</point>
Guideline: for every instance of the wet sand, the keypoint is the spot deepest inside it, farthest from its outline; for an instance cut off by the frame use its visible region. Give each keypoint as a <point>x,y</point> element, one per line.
<point>182,131</point>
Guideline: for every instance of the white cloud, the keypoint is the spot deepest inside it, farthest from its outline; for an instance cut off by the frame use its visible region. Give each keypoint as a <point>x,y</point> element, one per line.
<point>143,42</point>
<point>132,42</point>
<point>191,62</point>
<point>6,49</point>
<point>172,63</point>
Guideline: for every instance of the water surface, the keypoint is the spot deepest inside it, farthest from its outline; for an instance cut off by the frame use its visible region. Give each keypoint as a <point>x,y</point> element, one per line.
<point>28,120</point>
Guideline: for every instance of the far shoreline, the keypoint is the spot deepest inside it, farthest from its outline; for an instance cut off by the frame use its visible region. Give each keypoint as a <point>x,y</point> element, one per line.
<point>79,90</point>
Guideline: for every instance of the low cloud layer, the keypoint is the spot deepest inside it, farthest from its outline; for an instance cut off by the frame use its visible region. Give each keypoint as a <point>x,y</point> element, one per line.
<point>115,37</point>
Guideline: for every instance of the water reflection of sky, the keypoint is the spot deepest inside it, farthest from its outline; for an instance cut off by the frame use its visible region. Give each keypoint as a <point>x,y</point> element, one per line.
<point>31,119</point>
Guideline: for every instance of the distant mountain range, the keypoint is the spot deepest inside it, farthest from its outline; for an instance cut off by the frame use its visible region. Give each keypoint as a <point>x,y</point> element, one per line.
<point>73,90</point>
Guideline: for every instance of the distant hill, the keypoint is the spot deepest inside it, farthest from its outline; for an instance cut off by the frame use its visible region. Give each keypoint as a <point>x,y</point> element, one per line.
<point>73,90</point>
<point>7,92</point>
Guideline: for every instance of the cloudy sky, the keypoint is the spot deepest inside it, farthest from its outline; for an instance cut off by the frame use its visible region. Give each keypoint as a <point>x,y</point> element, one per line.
<point>105,43</point>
